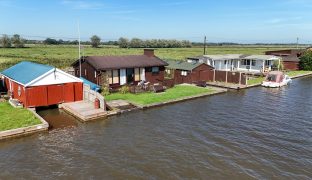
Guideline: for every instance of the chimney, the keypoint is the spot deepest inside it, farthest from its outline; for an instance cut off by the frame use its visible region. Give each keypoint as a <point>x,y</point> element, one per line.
<point>149,52</point>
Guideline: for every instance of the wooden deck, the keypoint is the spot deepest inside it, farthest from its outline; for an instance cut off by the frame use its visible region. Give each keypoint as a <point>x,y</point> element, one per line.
<point>83,110</point>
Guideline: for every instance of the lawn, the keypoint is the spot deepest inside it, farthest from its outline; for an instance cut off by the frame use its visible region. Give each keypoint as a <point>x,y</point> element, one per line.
<point>255,80</point>
<point>175,93</point>
<point>12,118</point>
<point>63,56</point>
<point>297,73</point>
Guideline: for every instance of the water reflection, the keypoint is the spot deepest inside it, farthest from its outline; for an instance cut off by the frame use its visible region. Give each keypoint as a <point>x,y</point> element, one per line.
<point>257,133</point>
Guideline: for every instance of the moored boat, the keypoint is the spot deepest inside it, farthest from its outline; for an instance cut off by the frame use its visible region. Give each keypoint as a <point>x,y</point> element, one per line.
<point>275,79</point>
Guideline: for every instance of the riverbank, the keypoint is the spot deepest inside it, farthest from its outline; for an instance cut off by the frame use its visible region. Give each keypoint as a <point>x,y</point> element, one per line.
<point>16,122</point>
<point>292,74</point>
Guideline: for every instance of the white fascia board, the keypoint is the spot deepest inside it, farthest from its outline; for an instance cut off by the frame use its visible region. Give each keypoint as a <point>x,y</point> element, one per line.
<point>69,75</point>
<point>40,77</point>
<point>50,81</point>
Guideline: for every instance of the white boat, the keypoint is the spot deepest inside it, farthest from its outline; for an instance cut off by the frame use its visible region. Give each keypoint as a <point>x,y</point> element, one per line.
<point>276,79</point>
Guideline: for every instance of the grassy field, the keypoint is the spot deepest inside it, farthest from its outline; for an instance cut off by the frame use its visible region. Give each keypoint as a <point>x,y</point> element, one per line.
<point>62,56</point>
<point>174,93</point>
<point>12,118</point>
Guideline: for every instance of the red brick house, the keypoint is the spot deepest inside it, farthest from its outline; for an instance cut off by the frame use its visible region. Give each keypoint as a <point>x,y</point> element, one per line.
<point>121,70</point>
<point>290,57</point>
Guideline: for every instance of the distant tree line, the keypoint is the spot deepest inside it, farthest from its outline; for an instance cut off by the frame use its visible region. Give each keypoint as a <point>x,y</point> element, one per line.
<point>15,41</point>
<point>153,43</point>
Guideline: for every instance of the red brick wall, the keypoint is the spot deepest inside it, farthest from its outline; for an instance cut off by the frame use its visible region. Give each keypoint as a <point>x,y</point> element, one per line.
<point>155,78</point>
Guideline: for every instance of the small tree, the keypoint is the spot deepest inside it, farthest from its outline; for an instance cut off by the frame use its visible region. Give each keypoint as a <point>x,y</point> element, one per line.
<point>50,41</point>
<point>6,41</point>
<point>95,41</point>
<point>17,41</point>
<point>123,42</point>
<point>306,61</point>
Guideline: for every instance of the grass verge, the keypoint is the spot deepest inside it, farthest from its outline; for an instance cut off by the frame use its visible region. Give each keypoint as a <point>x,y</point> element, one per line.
<point>297,73</point>
<point>254,81</point>
<point>175,93</point>
<point>12,118</point>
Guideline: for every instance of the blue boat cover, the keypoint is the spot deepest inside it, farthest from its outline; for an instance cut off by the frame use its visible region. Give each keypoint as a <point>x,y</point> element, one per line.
<point>93,86</point>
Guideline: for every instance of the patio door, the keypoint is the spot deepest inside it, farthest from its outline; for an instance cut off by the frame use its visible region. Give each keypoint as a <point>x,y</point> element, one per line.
<point>130,75</point>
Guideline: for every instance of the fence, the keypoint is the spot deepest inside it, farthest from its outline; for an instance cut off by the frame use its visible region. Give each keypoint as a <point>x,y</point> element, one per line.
<point>90,96</point>
<point>229,77</point>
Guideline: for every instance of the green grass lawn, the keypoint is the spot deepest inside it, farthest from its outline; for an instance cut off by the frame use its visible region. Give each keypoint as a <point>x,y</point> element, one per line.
<point>297,73</point>
<point>177,92</point>
<point>12,118</point>
<point>254,81</point>
<point>63,56</point>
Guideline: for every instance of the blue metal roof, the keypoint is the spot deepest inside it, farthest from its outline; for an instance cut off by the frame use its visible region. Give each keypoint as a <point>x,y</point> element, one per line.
<point>93,86</point>
<point>25,72</point>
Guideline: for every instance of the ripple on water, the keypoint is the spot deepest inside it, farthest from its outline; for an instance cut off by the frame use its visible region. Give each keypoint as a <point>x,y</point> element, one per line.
<point>256,133</point>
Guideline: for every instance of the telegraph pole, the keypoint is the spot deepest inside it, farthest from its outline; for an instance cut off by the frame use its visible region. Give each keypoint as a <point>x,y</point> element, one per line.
<point>205,41</point>
<point>79,50</point>
<point>297,43</point>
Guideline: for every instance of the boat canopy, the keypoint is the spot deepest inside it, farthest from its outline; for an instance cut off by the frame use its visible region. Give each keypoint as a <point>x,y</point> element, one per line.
<point>275,76</point>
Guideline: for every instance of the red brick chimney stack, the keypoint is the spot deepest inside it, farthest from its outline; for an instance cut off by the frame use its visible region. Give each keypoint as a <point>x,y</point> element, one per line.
<point>149,52</point>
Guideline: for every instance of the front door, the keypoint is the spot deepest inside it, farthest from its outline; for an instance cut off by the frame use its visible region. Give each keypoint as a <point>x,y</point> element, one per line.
<point>130,75</point>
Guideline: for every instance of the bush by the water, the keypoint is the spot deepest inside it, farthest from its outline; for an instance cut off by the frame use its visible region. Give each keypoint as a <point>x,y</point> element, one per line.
<point>306,61</point>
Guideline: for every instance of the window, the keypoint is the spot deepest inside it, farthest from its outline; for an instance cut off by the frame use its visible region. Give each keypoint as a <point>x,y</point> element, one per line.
<point>253,62</point>
<point>225,62</point>
<point>243,62</point>
<point>169,73</point>
<point>267,63</point>
<point>183,73</point>
<point>137,74</point>
<point>86,72</point>
<point>94,74</point>
<point>109,76</point>
<point>155,70</point>
<point>113,76</point>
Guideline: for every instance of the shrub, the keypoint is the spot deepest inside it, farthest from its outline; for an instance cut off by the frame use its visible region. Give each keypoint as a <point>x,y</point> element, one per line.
<point>105,91</point>
<point>124,89</point>
<point>306,61</point>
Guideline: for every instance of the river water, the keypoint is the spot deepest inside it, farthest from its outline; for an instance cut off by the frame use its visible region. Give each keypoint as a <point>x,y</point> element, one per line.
<point>256,133</point>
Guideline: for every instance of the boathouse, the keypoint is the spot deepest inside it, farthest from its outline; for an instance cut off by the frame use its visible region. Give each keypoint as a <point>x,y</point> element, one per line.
<point>36,85</point>
<point>188,72</point>
<point>116,71</point>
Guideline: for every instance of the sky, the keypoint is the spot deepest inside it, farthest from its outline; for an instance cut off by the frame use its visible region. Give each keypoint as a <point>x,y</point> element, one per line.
<point>241,21</point>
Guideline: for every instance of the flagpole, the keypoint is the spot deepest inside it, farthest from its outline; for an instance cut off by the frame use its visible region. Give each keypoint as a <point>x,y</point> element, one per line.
<point>79,50</point>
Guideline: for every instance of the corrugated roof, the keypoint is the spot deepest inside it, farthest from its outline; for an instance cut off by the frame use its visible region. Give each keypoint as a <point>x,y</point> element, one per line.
<point>25,72</point>
<point>262,57</point>
<point>120,62</point>
<point>225,56</point>
<point>182,65</point>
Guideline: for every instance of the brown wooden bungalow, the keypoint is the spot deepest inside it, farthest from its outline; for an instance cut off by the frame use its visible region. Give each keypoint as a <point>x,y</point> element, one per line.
<point>116,71</point>
<point>188,72</point>
<point>290,57</point>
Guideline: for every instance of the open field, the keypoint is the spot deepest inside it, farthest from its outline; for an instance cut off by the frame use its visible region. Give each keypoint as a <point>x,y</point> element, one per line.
<point>175,93</point>
<point>12,118</point>
<point>62,56</point>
